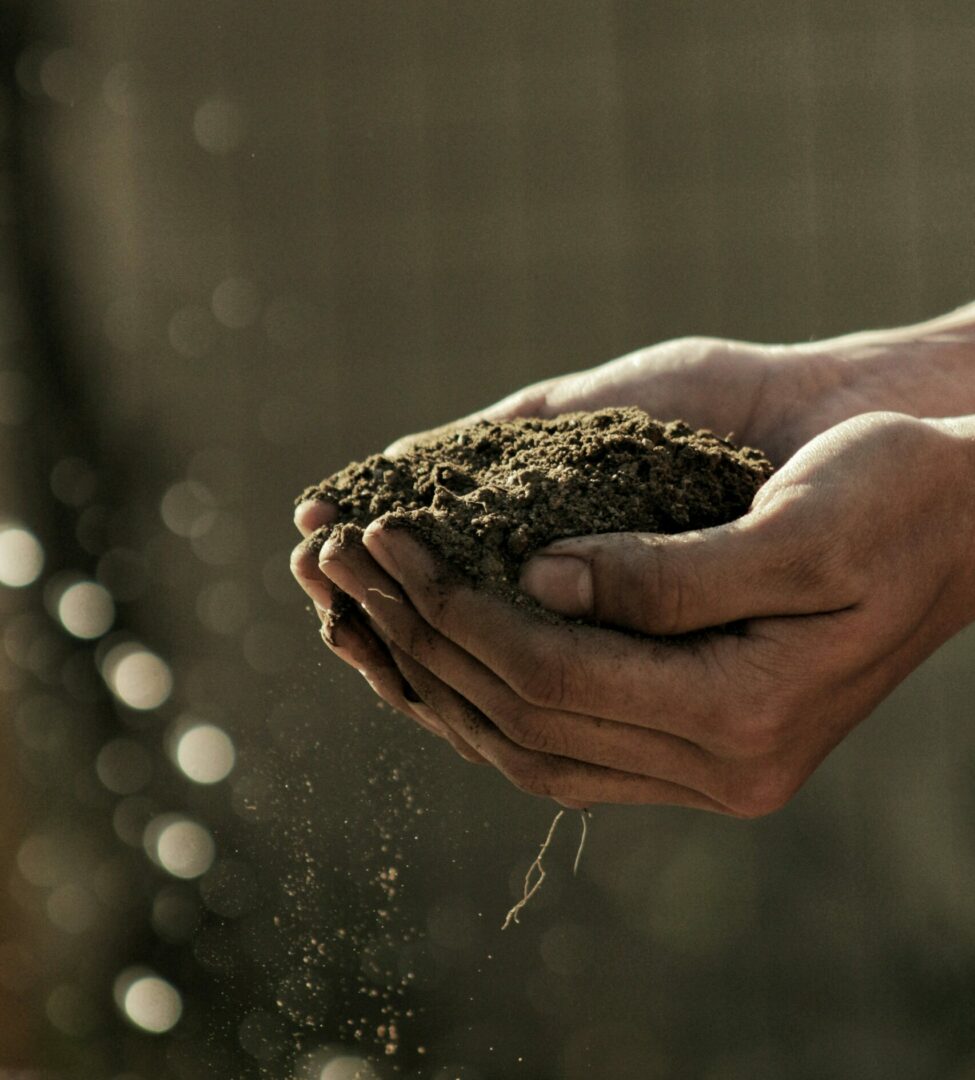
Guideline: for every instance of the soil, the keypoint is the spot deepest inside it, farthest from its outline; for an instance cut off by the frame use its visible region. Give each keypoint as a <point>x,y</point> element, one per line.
<point>486,496</point>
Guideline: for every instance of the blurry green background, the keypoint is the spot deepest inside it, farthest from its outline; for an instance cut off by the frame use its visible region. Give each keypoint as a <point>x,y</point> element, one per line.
<point>244,242</point>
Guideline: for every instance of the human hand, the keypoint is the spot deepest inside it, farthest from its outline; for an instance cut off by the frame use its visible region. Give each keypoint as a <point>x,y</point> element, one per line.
<point>719,384</point>
<point>775,397</point>
<point>851,567</point>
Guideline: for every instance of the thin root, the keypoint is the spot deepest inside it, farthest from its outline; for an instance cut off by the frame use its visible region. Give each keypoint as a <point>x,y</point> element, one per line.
<point>395,599</point>
<point>532,887</point>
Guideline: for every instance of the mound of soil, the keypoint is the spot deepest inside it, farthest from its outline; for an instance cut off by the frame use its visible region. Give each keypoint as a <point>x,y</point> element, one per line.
<point>485,497</point>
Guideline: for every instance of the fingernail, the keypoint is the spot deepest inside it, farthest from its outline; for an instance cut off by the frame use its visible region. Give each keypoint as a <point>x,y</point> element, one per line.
<point>560,582</point>
<point>377,540</point>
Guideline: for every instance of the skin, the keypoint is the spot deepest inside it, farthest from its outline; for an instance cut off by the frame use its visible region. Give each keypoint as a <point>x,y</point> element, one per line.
<point>852,565</point>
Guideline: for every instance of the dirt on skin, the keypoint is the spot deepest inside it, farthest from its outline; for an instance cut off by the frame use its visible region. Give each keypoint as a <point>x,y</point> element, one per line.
<point>486,496</point>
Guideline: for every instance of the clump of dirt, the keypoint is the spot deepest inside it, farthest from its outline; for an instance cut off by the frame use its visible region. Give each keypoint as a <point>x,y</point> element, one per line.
<point>486,496</point>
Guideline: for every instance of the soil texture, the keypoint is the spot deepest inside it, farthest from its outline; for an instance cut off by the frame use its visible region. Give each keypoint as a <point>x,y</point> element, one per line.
<point>486,496</point>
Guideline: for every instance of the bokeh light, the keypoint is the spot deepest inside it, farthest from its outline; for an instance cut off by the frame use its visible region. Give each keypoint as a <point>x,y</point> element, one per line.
<point>63,76</point>
<point>236,303</point>
<point>205,753</point>
<point>148,1001</point>
<point>187,508</point>
<point>137,677</point>
<point>21,556</point>
<point>72,908</point>
<point>86,609</point>
<point>348,1067</point>
<point>191,331</point>
<point>182,847</point>
<point>219,125</point>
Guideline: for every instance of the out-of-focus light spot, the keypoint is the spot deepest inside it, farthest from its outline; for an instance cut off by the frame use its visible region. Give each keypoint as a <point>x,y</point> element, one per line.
<point>137,677</point>
<point>124,766</point>
<point>15,398</point>
<point>347,1067</point>
<point>72,908</point>
<point>182,847</point>
<point>21,556</point>
<point>123,573</point>
<point>71,1010</point>
<point>269,647</point>
<point>119,89</point>
<point>191,332</point>
<point>187,508</point>
<point>219,125</point>
<point>62,76</point>
<point>40,860</point>
<point>86,610</point>
<point>148,1000</point>
<point>222,607</point>
<point>223,543</point>
<point>206,754</point>
<point>236,302</point>
<point>73,481</point>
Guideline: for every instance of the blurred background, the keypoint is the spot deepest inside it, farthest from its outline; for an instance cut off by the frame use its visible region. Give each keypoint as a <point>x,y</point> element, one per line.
<point>244,242</point>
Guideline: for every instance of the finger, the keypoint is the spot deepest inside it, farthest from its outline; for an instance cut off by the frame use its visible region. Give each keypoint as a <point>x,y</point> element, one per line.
<point>305,569</point>
<point>760,565</point>
<point>352,641</point>
<point>312,514</point>
<point>625,747</point>
<point>353,569</point>
<point>545,774</point>
<point>679,689</point>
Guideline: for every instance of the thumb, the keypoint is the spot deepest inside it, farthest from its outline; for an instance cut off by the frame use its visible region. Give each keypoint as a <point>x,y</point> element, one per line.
<point>672,584</point>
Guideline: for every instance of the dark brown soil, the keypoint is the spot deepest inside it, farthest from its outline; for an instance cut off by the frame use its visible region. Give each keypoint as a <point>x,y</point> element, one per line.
<point>486,496</point>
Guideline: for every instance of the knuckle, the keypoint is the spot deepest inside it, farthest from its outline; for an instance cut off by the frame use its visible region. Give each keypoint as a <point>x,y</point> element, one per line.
<point>539,679</point>
<point>531,730</point>
<point>665,582</point>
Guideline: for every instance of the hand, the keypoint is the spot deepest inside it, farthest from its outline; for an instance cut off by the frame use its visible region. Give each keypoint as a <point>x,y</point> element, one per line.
<point>750,390</point>
<point>775,397</point>
<point>852,566</point>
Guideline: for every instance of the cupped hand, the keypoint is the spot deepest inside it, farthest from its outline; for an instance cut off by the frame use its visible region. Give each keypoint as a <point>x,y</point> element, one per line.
<point>774,397</point>
<point>752,391</point>
<point>851,567</point>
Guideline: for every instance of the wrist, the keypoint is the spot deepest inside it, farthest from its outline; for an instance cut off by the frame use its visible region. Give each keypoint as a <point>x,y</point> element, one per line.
<point>960,434</point>
<point>923,370</point>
